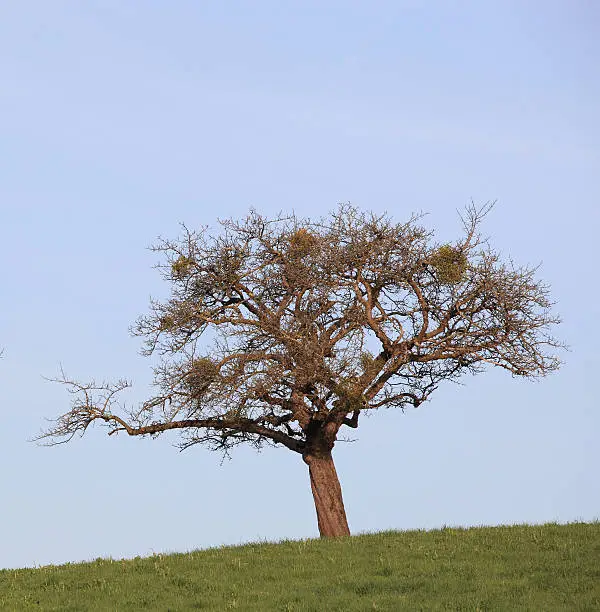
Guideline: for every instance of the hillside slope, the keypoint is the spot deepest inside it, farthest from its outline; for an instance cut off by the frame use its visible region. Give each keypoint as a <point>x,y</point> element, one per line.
<point>542,567</point>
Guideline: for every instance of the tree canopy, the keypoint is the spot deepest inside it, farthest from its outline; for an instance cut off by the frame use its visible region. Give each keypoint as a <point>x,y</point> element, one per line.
<point>283,331</point>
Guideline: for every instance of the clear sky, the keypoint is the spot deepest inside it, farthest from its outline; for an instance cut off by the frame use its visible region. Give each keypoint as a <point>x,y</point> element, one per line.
<point>119,120</point>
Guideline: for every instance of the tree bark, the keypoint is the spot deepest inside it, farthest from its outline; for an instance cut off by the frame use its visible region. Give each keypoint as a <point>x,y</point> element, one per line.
<point>327,494</point>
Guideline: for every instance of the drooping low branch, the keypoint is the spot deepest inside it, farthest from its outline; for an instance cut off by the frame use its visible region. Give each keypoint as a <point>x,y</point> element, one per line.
<point>87,410</point>
<point>240,425</point>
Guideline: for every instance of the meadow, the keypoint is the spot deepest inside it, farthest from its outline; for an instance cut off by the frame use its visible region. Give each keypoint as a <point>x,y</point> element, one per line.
<point>521,567</point>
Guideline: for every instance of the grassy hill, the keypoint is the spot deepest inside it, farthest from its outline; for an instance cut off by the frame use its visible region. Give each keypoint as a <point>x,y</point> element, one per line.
<point>542,567</point>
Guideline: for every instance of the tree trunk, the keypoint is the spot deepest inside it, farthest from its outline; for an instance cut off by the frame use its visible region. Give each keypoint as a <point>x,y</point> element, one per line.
<point>327,494</point>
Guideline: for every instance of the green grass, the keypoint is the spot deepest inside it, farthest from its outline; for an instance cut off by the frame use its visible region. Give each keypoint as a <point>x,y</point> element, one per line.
<point>541,567</point>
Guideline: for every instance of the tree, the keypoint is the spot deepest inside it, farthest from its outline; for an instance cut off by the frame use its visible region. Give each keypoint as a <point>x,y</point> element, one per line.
<point>293,307</point>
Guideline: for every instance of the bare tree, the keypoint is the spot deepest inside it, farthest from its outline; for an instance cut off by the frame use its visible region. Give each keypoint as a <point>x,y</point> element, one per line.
<point>293,307</point>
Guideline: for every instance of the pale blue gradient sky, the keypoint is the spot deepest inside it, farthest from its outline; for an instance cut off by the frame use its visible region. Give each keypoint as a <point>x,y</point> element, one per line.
<point>119,120</point>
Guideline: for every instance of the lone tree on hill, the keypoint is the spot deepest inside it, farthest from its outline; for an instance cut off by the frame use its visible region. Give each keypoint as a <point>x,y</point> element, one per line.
<point>293,306</point>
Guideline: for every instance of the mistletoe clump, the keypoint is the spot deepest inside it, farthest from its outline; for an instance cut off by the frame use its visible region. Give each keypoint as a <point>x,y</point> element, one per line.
<point>368,362</point>
<point>349,394</point>
<point>181,267</point>
<point>202,373</point>
<point>450,264</point>
<point>302,243</point>
<point>166,323</point>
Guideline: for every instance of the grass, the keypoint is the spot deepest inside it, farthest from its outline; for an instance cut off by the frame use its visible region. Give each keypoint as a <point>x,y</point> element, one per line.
<point>540,567</point>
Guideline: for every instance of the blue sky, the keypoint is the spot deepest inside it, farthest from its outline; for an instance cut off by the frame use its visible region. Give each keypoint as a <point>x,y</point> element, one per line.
<point>119,120</point>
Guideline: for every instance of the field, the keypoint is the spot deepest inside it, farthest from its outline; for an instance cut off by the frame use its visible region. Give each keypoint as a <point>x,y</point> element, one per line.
<point>541,567</point>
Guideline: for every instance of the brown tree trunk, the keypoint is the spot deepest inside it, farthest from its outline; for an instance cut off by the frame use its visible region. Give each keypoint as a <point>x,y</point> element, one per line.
<point>327,494</point>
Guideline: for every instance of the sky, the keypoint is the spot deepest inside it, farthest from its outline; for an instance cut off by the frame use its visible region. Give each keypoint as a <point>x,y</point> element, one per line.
<point>121,120</point>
